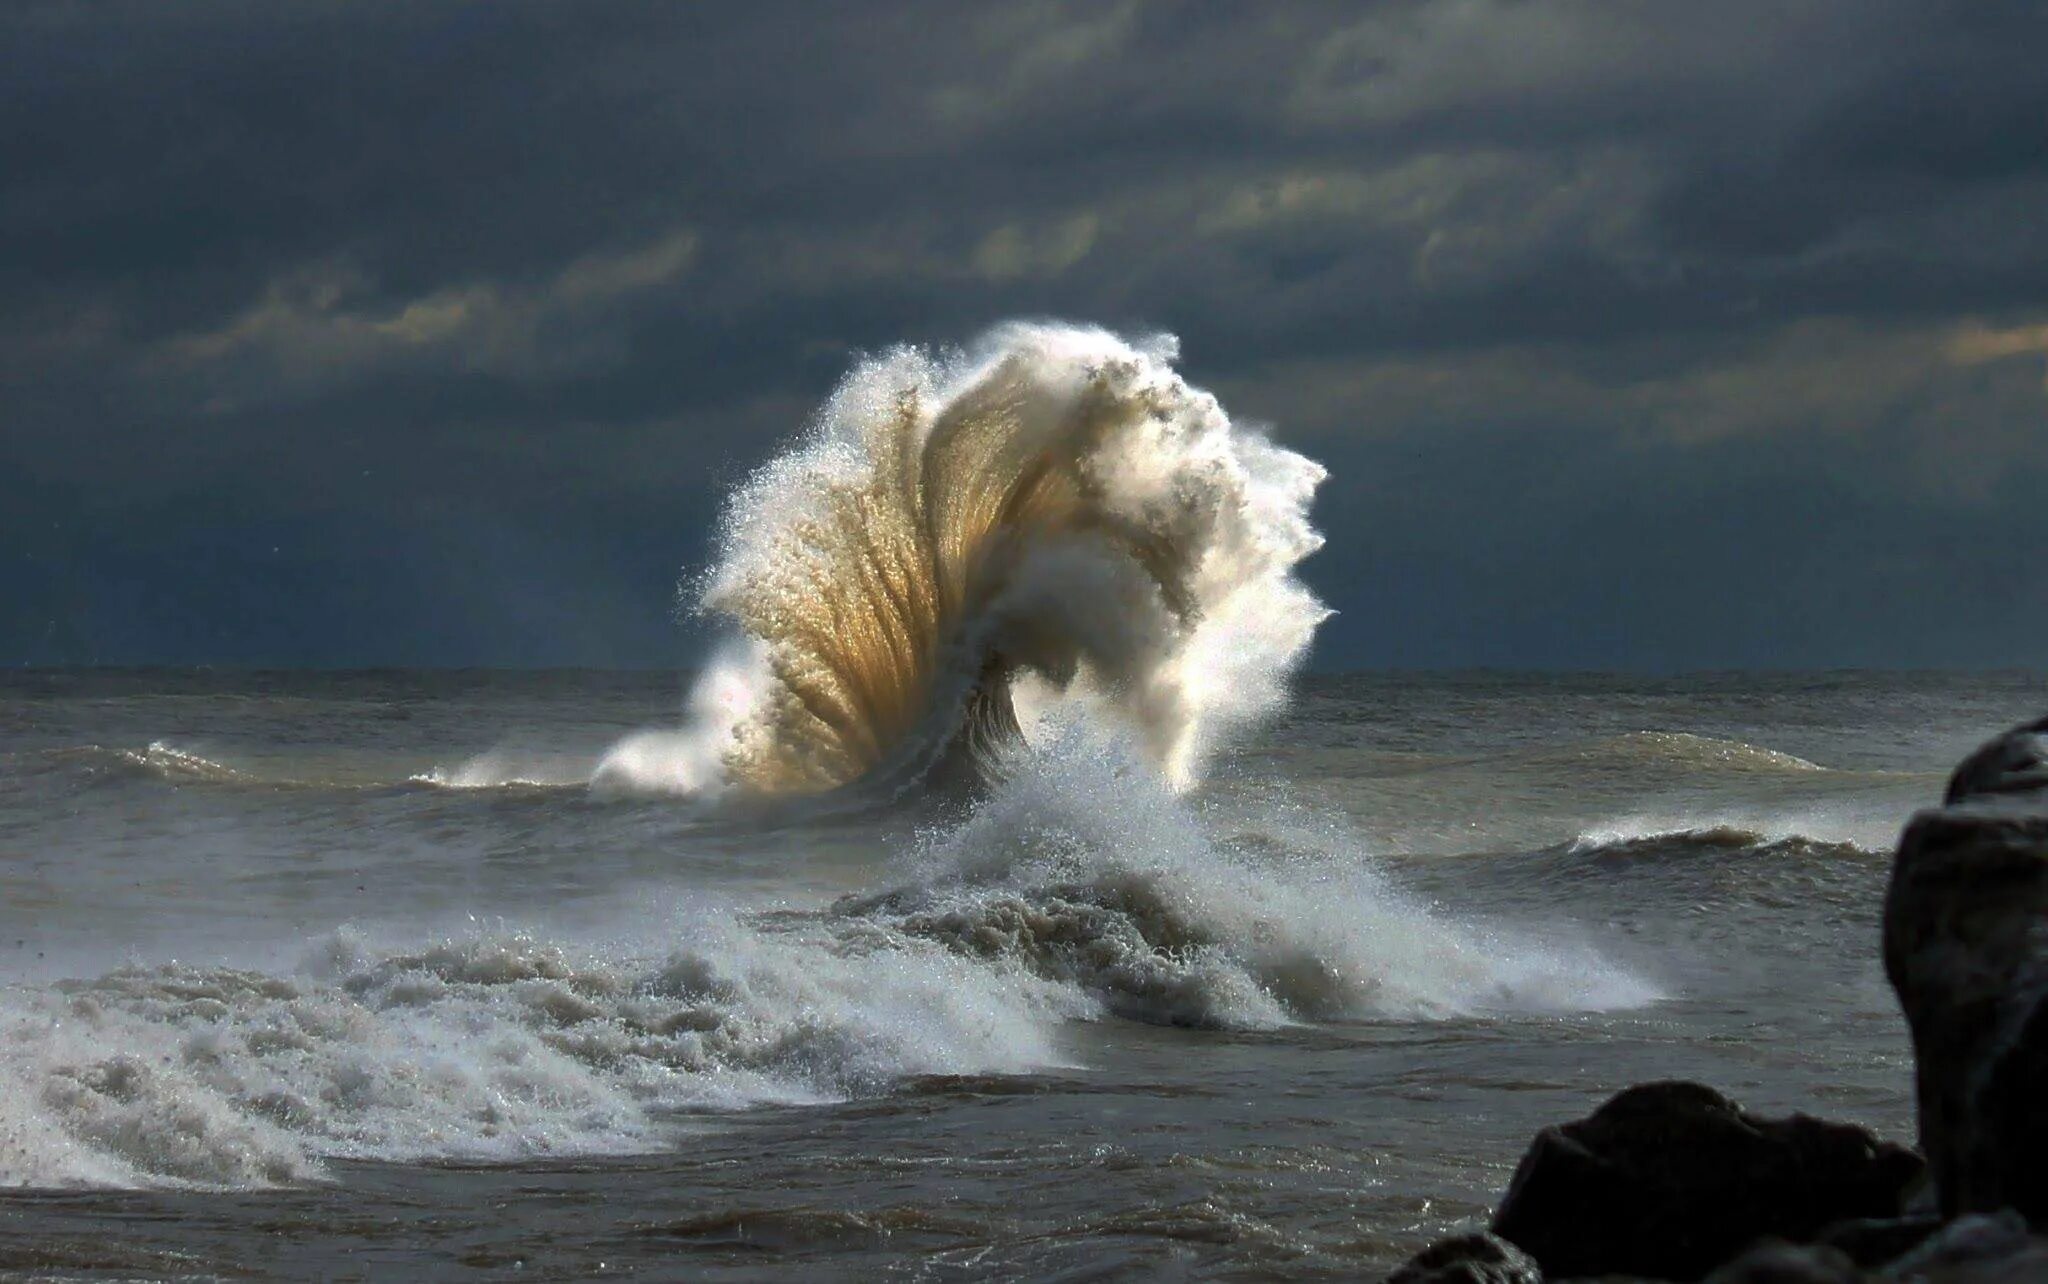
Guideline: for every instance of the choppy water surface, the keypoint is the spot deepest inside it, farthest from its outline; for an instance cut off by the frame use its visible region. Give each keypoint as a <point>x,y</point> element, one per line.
<point>352,976</point>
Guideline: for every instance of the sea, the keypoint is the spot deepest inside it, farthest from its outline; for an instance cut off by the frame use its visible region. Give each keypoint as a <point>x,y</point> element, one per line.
<point>359,976</point>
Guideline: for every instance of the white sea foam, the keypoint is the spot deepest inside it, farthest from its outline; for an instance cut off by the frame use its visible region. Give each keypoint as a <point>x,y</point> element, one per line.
<point>1869,827</point>
<point>493,1046</point>
<point>1085,867</point>
<point>1083,887</point>
<point>497,769</point>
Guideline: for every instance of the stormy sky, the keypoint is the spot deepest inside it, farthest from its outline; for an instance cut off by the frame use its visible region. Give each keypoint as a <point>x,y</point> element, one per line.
<point>1640,335</point>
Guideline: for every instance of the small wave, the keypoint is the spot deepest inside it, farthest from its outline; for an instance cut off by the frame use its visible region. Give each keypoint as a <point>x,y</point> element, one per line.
<point>165,762</point>
<point>1683,747</point>
<point>1640,840</point>
<point>766,1227</point>
<point>173,763</point>
<point>158,761</point>
<point>501,771</point>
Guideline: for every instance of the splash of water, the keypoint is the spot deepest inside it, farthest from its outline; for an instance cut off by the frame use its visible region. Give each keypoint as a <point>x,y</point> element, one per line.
<point>1081,886</point>
<point>1056,502</point>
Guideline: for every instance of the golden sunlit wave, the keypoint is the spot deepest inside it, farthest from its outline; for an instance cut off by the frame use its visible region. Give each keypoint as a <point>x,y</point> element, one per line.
<point>1054,507</point>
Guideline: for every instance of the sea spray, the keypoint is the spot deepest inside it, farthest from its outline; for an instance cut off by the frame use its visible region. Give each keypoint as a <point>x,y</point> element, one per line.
<point>1085,868</point>
<point>492,1045</point>
<point>1050,530</point>
<point>1081,887</point>
<point>1055,501</point>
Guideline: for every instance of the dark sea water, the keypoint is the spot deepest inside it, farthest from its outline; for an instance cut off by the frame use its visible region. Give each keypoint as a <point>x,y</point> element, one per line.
<point>351,976</point>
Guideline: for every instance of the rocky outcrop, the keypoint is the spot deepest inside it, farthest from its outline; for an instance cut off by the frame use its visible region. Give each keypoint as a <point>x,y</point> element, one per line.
<point>1777,1262</point>
<point>2015,764</point>
<point>1673,1181</point>
<point>1469,1259</point>
<point>1973,1249</point>
<point>1977,1248</point>
<point>1870,1242</point>
<point>1966,946</point>
<point>1669,1180</point>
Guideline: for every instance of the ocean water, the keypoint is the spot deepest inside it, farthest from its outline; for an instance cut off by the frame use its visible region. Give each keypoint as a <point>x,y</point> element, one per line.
<point>356,975</point>
<point>996,901</point>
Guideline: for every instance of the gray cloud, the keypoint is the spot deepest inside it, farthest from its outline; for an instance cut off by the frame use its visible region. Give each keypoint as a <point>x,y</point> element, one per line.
<point>468,311</point>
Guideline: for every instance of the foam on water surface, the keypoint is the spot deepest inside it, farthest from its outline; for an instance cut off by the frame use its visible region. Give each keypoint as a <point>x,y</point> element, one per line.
<point>1083,888</point>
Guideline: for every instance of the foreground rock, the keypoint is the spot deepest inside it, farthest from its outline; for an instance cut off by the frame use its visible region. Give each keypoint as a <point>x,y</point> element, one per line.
<point>1672,1181</point>
<point>1669,1180</point>
<point>1966,946</point>
<point>1975,1249</point>
<point>1469,1259</point>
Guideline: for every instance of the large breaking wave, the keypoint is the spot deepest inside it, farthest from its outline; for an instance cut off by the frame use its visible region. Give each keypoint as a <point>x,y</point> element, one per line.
<point>1055,502</point>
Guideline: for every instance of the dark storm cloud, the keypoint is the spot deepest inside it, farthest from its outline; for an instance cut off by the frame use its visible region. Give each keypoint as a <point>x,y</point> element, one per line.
<point>430,333</point>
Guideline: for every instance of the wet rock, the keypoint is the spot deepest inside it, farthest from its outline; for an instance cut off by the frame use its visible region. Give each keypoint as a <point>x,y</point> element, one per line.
<point>2016,763</point>
<point>1979,1246</point>
<point>1776,1262</point>
<point>1469,1259</point>
<point>1873,1241</point>
<point>1670,1180</point>
<point>1966,947</point>
<point>1974,1249</point>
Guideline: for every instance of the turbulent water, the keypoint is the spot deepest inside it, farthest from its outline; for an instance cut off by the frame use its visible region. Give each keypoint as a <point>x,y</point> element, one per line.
<point>998,903</point>
<point>300,983</point>
<point>1053,504</point>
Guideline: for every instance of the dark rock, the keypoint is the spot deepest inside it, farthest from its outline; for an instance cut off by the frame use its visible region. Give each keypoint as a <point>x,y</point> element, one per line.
<point>1469,1259</point>
<point>1968,1246</point>
<point>1776,1262</point>
<point>2028,1265</point>
<point>2014,763</point>
<point>1974,1249</point>
<point>1966,947</point>
<point>1670,1180</point>
<point>1873,1241</point>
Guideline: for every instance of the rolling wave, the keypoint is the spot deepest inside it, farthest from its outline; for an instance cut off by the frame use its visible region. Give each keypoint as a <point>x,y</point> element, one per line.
<point>500,771</point>
<point>1683,746</point>
<point>156,761</point>
<point>164,762</point>
<point>1636,842</point>
<point>1082,888</point>
<point>1681,750</point>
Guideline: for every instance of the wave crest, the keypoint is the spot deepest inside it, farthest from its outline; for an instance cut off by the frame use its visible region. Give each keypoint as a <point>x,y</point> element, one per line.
<point>1083,870</point>
<point>157,761</point>
<point>1057,502</point>
<point>1629,841</point>
<point>491,1046</point>
<point>1080,887</point>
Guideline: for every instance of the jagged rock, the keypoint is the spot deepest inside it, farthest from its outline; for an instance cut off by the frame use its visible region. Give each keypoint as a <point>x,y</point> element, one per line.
<point>1966,947</point>
<point>1670,1180</point>
<point>1469,1259</point>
